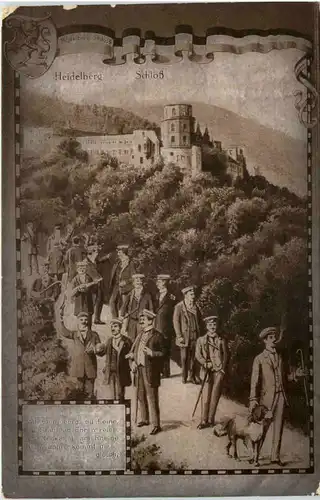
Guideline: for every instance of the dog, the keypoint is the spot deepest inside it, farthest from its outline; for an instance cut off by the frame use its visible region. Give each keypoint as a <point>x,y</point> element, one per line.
<point>251,430</point>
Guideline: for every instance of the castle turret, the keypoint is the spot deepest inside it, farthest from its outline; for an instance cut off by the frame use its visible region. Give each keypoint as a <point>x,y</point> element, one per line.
<point>177,133</point>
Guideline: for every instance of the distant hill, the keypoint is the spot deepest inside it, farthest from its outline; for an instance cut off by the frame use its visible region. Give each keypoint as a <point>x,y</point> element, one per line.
<point>279,157</point>
<point>40,110</point>
<point>275,155</point>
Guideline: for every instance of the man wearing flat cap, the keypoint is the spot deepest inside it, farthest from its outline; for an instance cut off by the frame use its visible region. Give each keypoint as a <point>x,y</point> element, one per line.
<point>85,346</point>
<point>187,322</point>
<point>134,303</point>
<point>268,387</point>
<point>121,279</point>
<point>117,375</point>
<point>81,291</point>
<point>147,359</point>
<point>165,302</point>
<point>212,355</point>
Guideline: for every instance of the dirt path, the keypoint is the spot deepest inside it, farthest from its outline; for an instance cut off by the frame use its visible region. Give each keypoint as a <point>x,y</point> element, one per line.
<point>182,442</point>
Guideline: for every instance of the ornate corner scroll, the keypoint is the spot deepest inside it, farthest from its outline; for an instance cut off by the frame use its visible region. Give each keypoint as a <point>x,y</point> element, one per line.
<point>306,103</point>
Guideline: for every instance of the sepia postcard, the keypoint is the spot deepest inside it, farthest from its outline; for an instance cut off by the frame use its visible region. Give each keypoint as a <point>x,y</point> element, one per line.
<point>160,248</point>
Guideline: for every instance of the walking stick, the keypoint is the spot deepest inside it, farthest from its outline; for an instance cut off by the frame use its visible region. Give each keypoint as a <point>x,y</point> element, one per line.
<point>304,378</point>
<point>200,392</point>
<point>137,397</point>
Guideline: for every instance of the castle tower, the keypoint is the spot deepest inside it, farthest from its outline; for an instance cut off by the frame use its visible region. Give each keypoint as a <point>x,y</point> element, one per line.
<point>177,126</point>
<point>177,134</point>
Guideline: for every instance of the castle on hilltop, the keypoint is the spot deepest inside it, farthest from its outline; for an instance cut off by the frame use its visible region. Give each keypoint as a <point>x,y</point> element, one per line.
<point>181,142</point>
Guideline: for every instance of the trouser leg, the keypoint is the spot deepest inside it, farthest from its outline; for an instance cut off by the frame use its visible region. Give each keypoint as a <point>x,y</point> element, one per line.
<point>277,428</point>
<point>35,262</point>
<point>153,401</point>
<point>184,361</point>
<point>206,397</point>
<point>166,361</point>
<point>98,303</point>
<point>215,396</point>
<point>114,304</point>
<point>89,387</point>
<point>142,396</point>
<point>192,360</point>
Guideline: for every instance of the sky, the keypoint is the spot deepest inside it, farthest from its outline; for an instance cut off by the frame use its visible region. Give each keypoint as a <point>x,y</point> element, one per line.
<point>257,86</point>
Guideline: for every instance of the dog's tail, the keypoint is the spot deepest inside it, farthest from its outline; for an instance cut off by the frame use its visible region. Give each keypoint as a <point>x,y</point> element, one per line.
<point>222,428</point>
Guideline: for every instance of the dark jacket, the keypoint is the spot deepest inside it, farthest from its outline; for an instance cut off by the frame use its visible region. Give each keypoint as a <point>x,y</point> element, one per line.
<point>131,310</point>
<point>56,261</point>
<point>123,366</point>
<point>37,287</point>
<point>181,323</point>
<point>118,276</point>
<point>83,364</point>
<point>164,318</point>
<point>82,300</point>
<point>153,365</point>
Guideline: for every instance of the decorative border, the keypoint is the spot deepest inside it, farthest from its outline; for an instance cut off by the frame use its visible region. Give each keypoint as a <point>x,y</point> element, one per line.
<point>99,402</point>
<point>21,402</point>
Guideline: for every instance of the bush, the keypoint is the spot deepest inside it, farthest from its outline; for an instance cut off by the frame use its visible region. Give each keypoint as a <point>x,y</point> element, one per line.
<point>147,457</point>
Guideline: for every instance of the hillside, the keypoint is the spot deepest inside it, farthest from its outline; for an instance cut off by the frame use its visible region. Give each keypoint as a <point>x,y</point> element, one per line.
<point>45,111</point>
<point>280,158</point>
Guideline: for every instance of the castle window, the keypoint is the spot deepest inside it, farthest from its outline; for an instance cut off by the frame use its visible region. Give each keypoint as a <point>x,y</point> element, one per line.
<point>172,128</point>
<point>174,112</point>
<point>171,154</point>
<point>184,127</point>
<point>139,148</point>
<point>133,157</point>
<point>173,139</point>
<point>182,157</point>
<point>141,160</point>
<point>184,139</point>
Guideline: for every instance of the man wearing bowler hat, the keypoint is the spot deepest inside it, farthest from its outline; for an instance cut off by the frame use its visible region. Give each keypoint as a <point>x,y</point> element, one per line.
<point>164,317</point>
<point>147,359</point>
<point>268,387</point>
<point>117,374</point>
<point>212,354</point>
<point>187,324</point>
<point>134,303</point>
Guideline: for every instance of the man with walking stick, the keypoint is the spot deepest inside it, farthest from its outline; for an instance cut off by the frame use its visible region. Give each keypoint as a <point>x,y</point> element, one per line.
<point>212,354</point>
<point>268,388</point>
<point>147,359</point>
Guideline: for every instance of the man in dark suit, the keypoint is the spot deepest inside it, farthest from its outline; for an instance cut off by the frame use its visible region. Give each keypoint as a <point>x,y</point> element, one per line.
<point>56,261</point>
<point>76,253</point>
<point>45,292</point>
<point>85,345</point>
<point>81,291</point>
<point>212,355</point>
<point>164,319</point>
<point>187,324</point>
<point>134,303</point>
<point>117,374</point>
<point>120,280</point>
<point>268,381</point>
<point>30,237</point>
<point>147,359</point>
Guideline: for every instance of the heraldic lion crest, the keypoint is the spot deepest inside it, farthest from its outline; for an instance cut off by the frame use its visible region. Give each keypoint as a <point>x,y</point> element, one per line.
<point>33,47</point>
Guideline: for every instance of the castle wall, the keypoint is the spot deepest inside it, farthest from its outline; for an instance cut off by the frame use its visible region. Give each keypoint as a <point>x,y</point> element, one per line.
<point>180,156</point>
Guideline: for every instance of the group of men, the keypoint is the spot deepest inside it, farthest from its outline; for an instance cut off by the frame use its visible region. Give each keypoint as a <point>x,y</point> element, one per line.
<point>144,329</point>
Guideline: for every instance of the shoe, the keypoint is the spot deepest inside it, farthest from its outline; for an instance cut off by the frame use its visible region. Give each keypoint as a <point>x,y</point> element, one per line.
<point>99,322</point>
<point>197,381</point>
<point>156,430</point>
<point>142,424</point>
<point>278,462</point>
<point>184,381</point>
<point>203,425</point>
